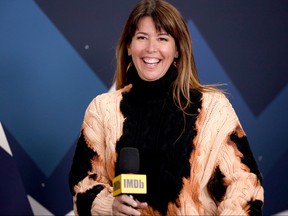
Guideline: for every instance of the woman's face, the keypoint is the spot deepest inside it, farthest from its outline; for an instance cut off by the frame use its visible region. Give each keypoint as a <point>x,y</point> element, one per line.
<point>152,51</point>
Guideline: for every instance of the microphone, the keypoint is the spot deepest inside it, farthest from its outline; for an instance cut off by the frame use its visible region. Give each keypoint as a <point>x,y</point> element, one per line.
<point>129,182</point>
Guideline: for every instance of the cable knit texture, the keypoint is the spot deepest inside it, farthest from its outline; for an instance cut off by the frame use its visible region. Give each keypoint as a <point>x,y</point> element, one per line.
<point>200,164</point>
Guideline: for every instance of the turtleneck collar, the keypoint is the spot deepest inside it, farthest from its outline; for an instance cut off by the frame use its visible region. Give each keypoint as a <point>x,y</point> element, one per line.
<point>151,90</point>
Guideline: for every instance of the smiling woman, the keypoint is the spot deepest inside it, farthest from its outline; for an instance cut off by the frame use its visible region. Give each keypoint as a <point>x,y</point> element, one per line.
<point>192,148</point>
<point>152,51</point>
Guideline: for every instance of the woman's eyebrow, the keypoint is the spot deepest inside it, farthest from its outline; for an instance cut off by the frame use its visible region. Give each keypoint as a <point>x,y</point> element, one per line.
<point>163,34</point>
<point>142,33</point>
<point>158,34</point>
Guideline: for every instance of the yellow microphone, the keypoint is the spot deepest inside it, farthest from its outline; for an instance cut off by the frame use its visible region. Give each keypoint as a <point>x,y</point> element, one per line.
<point>129,182</point>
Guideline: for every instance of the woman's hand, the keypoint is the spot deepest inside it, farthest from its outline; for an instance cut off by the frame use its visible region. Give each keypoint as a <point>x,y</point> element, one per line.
<point>125,205</point>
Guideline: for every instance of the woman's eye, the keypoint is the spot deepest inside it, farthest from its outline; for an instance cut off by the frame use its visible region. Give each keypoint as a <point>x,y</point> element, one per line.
<point>163,39</point>
<point>141,38</point>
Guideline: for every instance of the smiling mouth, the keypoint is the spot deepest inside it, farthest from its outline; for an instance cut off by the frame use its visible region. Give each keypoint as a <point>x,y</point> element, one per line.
<point>151,60</point>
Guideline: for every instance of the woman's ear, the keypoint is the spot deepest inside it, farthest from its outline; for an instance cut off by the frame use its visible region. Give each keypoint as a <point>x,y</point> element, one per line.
<point>176,55</point>
<point>129,50</point>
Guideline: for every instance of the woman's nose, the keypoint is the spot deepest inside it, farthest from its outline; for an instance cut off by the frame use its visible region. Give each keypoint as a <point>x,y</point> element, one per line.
<point>151,46</point>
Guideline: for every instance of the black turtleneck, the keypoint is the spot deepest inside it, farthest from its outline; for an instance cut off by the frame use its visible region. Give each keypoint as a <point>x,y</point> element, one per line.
<point>150,90</point>
<point>155,125</point>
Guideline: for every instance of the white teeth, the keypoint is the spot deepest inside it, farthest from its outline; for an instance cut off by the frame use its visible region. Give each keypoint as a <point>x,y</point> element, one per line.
<point>151,61</point>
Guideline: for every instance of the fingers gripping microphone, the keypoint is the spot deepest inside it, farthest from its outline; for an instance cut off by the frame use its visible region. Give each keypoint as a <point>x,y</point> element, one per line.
<point>129,182</point>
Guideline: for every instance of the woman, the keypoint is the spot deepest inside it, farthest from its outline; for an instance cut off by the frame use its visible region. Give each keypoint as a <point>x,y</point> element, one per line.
<point>192,147</point>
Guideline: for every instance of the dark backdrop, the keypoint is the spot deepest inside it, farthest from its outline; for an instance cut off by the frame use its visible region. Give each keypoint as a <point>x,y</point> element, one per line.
<point>55,56</point>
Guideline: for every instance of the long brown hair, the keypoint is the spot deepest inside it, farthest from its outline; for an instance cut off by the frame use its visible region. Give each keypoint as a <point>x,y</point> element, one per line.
<point>168,18</point>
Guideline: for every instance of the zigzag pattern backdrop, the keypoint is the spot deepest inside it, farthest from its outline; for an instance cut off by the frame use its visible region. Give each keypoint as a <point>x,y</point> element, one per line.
<point>55,56</point>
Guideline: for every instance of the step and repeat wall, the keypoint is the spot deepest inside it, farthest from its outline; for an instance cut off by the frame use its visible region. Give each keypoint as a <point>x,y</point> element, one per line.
<point>56,56</point>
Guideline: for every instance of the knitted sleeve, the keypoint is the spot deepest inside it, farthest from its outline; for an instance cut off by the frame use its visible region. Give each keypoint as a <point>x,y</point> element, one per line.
<point>236,182</point>
<point>89,178</point>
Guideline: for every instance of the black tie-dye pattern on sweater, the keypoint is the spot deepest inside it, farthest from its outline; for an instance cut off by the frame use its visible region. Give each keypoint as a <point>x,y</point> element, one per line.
<point>217,187</point>
<point>155,125</point>
<point>255,206</point>
<point>248,159</point>
<point>84,200</point>
<point>80,167</point>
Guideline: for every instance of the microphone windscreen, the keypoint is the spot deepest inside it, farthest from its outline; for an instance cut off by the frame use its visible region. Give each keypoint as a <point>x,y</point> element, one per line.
<point>129,160</point>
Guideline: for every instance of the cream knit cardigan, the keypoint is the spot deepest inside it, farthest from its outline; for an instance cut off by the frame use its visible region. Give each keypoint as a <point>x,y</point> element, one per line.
<point>102,127</point>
